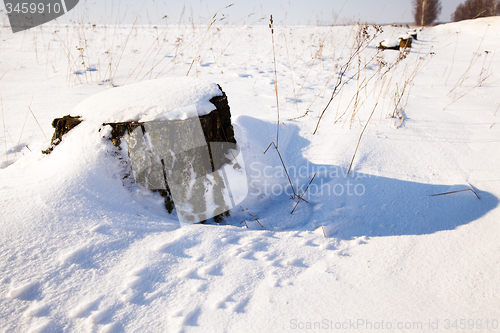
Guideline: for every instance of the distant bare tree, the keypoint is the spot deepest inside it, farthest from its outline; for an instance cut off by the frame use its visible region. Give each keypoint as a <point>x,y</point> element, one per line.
<point>475,8</point>
<point>426,11</point>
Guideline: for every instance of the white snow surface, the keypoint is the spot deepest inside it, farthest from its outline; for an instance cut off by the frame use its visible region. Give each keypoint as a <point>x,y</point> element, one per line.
<point>161,99</point>
<point>84,250</point>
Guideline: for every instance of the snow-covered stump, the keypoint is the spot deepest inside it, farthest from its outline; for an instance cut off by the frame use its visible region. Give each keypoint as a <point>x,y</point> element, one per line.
<point>402,43</point>
<point>173,158</point>
<point>389,45</point>
<point>405,42</point>
<point>179,139</point>
<point>413,33</point>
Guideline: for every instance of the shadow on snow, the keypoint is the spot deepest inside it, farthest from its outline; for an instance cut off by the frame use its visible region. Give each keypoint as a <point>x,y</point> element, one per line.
<point>352,205</point>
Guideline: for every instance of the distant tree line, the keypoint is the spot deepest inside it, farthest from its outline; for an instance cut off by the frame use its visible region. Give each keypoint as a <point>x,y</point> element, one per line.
<point>427,11</point>
<point>476,8</point>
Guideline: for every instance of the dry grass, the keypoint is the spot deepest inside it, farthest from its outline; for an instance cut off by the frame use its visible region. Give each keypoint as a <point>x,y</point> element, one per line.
<point>284,166</point>
<point>362,40</point>
<point>360,136</point>
<point>475,57</point>
<point>452,192</point>
<point>4,134</point>
<point>275,82</point>
<point>322,229</point>
<point>201,43</point>
<point>301,196</point>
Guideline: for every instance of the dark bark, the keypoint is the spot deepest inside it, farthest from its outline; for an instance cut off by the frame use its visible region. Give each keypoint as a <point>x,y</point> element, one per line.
<point>62,126</point>
<point>152,171</point>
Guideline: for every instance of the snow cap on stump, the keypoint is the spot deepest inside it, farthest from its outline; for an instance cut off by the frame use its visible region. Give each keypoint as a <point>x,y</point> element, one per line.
<point>162,99</point>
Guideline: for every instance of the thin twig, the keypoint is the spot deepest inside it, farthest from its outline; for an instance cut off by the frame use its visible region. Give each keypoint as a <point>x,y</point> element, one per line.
<point>343,70</point>
<point>468,189</point>
<point>295,96</point>
<point>477,85</point>
<point>146,54</point>
<point>176,49</point>
<point>199,48</point>
<point>323,229</point>
<point>38,123</point>
<point>362,43</point>
<point>475,56</point>
<point>113,74</point>
<point>284,167</point>
<point>452,61</point>
<point>353,156</point>
<point>275,82</point>
<point>301,196</point>
<point>21,135</point>
<point>254,218</point>
<point>4,135</point>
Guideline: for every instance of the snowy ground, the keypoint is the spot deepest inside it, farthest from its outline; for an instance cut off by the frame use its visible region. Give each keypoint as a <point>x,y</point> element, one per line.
<point>81,252</point>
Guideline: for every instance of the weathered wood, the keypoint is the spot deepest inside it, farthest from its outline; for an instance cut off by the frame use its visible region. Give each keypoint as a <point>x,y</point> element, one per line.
<point>405,43</point>
<point>175,157</point>
<point>154,168</point>
<point>402,44</point>
<point>62,126</point>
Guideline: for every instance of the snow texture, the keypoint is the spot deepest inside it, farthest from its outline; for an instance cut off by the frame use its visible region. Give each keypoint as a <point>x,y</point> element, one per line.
<point>162,99</point>
<point>408,237</point>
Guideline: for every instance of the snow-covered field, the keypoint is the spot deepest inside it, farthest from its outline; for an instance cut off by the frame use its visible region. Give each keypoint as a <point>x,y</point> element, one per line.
<point>372,250</point>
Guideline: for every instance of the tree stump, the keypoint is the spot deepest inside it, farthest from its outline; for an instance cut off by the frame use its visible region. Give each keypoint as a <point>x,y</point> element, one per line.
<point>193,162</point>
<point>405,42</point>
<point>389,45</point>
<point>183,160</point>
<point>413,33</point>
<point>402,43</point>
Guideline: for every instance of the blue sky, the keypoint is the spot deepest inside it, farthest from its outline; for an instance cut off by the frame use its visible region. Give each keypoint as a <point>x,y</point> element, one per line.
<point>291,12</point>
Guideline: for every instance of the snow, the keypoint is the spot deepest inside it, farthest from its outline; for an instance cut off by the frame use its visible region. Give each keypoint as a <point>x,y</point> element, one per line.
<point>84,250</point>
<point>162,99</point>
<point>390,43</point>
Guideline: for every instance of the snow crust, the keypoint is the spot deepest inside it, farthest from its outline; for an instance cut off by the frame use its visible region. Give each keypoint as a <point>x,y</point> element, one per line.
<point>161,99</point>
<point>84,250</point>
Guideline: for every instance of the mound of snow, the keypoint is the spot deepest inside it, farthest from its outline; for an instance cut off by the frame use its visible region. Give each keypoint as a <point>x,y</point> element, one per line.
<point>162,99</point>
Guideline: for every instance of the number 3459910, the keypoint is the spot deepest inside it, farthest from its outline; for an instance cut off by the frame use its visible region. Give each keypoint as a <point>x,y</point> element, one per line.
<point>32,8</point>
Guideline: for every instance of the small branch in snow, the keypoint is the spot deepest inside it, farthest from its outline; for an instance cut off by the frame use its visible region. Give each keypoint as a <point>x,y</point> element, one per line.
<point>301,197</point>
<point>275,82</point>
<point>477,85</point>
<point>4,130</point>
<point>357,146</point>
<point>254,218</point>
<point>199,48</point>
<point>38,123</point>
<point>322,229</point>
<point>284,167</point>
<point>21,135</point>
<point>468,189</point>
